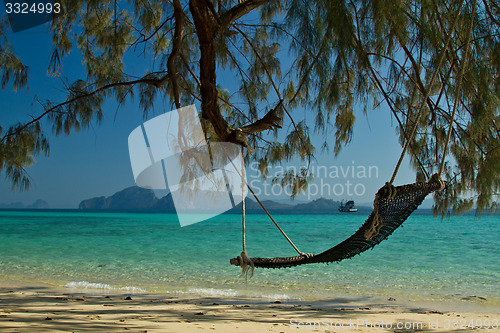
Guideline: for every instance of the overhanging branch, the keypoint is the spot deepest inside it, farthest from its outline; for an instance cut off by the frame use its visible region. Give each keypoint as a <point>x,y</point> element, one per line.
<point>268,122</point>
<point>153,81</point>
<point>239,10</point>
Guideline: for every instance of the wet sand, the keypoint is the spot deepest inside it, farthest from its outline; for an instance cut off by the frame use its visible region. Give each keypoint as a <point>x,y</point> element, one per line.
<point>26,308</point>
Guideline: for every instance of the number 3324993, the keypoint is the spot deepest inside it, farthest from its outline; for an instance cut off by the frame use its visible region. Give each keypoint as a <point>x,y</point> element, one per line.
<point>34,8</point>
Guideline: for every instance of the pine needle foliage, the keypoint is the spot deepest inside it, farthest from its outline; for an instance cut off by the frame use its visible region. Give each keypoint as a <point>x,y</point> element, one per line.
<point>302,68</point>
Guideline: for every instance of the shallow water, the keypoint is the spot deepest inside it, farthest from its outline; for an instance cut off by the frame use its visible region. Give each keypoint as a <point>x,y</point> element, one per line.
<point>426,259</point>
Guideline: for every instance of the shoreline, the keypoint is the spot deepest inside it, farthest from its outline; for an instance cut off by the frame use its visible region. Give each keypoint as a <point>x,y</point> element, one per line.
<point>32,307</point>
<point>453,301</point>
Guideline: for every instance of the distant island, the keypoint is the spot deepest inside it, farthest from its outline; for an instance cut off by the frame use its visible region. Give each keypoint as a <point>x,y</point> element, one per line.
<point>136,198</point>
<point>131,198</point>
<point>38,204</point>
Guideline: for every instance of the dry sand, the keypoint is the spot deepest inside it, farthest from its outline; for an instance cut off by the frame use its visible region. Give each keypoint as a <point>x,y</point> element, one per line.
<point>45,309</point>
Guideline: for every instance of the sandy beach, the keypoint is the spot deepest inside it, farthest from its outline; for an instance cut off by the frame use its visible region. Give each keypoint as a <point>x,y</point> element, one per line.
<point>26,308</point>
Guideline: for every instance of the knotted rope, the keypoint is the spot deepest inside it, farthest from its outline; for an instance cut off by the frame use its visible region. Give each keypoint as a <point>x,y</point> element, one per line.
<point>245,263</point>
<point>388,191</point>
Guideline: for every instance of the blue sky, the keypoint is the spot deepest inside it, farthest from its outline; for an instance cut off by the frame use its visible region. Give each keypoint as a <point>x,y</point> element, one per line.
<point>95,162</point>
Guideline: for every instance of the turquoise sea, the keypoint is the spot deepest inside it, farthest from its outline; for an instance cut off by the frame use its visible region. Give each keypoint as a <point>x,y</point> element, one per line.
<point>427,259</point>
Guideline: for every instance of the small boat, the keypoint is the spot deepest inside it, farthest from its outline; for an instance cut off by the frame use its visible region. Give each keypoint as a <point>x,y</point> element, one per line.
<point>348,207</point>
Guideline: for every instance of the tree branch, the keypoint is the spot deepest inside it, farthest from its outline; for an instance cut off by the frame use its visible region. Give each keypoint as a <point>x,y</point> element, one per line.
<point>238,11</point>
<point>268,122</point>
<point>176,47</point>
<point>155,82</point>
<point>278,27</point>
<point>145,39</point>
<point>488,11</point>
<point>416,69</point>
<point>186,63</point>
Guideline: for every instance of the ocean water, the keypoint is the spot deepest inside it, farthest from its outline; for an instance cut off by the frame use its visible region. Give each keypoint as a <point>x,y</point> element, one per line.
<point>426,259</point>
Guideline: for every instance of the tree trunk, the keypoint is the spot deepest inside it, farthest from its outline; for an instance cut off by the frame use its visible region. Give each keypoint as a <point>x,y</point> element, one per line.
<point>206,24</point>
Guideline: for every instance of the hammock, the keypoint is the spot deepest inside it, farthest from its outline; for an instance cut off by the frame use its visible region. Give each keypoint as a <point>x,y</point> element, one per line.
<point>392,207</point>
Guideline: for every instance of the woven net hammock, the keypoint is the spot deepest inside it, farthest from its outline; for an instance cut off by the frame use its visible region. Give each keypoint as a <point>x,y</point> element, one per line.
<point>392,206</point>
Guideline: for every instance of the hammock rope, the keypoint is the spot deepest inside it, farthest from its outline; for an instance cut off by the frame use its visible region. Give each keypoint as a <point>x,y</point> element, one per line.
<point>245,184</point>
<point>427,94</point>
<point>459,86</point>
<point>274,221</point>
<point>243,260</point>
